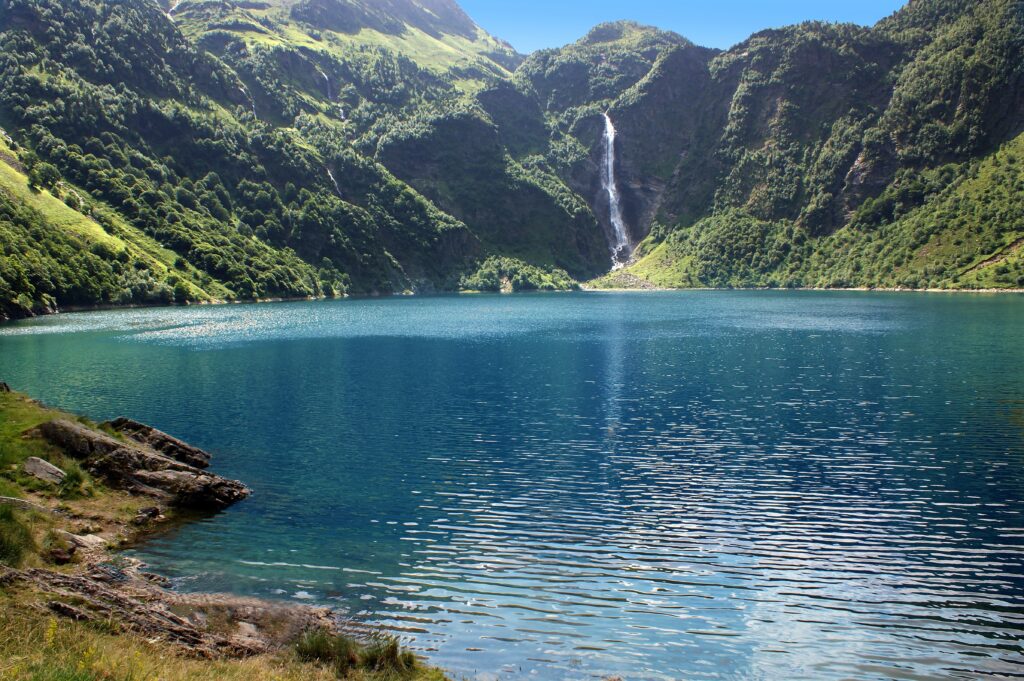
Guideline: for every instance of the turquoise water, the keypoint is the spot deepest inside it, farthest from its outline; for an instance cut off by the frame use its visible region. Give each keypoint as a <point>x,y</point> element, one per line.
<point>723,485</point>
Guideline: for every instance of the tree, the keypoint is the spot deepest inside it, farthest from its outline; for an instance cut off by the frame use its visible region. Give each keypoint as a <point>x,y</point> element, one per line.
<point>43,176</point>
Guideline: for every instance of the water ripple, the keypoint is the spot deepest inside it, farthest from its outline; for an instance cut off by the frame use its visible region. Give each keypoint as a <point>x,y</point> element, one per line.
<point>694,485</point>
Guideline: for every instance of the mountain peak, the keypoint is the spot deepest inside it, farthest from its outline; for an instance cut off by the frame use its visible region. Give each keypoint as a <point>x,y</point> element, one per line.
<point>623,30</point>
<point>434,17</point>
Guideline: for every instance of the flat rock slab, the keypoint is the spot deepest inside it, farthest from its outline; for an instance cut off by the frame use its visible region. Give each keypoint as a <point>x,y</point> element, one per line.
<point>140,469</point>
<point>133,603</point>
<point>83,541</point>
<point>161,442</point>
<point>44,470</point>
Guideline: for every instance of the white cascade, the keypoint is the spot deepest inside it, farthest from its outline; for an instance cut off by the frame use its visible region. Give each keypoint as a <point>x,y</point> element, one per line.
<point>326,80</point>
<point>621,247</point>
<point>252,102</point>
<point>333,181</point>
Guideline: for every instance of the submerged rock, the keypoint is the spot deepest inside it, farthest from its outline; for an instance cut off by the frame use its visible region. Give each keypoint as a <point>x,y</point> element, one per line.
<point>161,442</point>
<point>44,470</point>
<point>140,469</point>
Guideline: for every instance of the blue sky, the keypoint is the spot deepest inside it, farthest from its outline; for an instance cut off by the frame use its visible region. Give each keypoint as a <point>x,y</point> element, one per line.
<point>534,24</point>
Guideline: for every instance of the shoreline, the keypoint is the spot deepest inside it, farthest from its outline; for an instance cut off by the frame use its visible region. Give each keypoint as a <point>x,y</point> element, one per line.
<point>75,495</point>
<point>858,289</point>
<point>78,309</point>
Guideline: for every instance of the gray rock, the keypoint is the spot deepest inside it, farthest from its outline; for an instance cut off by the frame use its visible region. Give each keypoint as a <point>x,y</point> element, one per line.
<point>248,630</point>
<point>139,469</point>
<point>4,388</point>
<point>161,442</point>
<point>44,470</point>
<point>88,541</point>
<point>25,505</point>
<point>77,440</point>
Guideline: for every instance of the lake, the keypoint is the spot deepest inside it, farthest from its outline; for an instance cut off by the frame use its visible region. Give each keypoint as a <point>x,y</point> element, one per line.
<point>696,485</point>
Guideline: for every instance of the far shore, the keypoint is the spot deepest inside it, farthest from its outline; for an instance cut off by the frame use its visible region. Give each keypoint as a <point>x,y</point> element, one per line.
<point>73,309</point>
<point>863,289</point>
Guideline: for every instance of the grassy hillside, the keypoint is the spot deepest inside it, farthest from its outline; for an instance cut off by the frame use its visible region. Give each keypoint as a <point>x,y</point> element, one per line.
<point>60,244</point>
<point>799,156</point>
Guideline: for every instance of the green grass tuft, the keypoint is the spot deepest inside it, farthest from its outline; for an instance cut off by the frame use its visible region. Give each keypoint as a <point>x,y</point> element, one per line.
<point>15,538</point>
<point>383,656</point>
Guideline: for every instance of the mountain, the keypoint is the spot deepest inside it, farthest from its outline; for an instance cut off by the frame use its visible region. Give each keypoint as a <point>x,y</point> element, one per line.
<point>238,149</point>
<point>834,155</point>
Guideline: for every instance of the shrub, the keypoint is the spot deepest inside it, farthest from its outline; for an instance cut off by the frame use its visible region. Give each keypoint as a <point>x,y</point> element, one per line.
<point>75,482</point>
<point>385,655</point>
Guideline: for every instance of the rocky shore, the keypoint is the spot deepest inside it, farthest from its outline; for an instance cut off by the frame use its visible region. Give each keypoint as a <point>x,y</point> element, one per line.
<point>140,481</point>
<point>171,474</point>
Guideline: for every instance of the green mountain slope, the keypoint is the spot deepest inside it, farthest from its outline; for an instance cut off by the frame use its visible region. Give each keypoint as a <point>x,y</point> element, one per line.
<point>968,234</point>
<point>816,133</point>
<point>238,149</point>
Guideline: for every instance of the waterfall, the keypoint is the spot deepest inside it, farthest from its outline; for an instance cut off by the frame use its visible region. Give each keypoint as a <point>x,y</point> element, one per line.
<point>333,181</point>
<point>252,102</point>
<point>621,247</point>
<point>326,80</point>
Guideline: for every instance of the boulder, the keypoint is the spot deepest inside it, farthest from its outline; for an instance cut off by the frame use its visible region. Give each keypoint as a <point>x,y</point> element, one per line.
<point>44,470</point>
<point>4,388</point>
<point>195,490</point>
<point>147,515</point>
<point>140,469</point>
<point>87,541</point>
<point>161,442</point>
<point>59,556</point>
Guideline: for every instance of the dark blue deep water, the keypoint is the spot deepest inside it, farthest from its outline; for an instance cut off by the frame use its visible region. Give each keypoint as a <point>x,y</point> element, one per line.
<point>746,485</point>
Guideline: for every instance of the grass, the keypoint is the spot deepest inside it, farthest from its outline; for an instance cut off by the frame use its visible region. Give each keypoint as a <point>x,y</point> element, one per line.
<point>56,212</point>
<point>16,540</point>
<point>19,414</point>
<point>438,54</point>
<point>35,646</point>
<point>382,657</point>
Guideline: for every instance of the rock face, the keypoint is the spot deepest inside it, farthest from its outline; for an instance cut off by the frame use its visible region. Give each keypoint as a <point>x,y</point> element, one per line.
<point>161,442</point>
<point>140,469</point>
<point>44,470</point>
